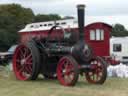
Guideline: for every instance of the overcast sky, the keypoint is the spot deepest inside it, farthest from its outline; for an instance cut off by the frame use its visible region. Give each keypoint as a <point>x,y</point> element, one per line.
<point>109,11</point>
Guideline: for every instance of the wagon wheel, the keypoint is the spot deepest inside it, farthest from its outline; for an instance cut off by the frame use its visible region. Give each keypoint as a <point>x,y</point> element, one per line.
<point>98,72</point>
<point>67,71</point>
<point>26,62</point>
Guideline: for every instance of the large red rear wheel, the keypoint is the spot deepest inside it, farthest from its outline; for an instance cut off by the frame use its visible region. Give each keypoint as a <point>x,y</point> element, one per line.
<point>25,62</point>
<point>67,71</point>
<point>98,72</point>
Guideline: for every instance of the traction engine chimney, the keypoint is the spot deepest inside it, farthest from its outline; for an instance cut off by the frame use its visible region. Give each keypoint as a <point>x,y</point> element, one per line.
<point>80,12</point>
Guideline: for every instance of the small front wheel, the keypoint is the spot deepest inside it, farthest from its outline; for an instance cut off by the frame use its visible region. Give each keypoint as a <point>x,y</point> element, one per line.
<point>67,71</point>
<point>98,72</point>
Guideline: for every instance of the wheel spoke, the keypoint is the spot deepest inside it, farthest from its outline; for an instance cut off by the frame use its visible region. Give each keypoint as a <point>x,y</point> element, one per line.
<point>21,54</point>
<point>71,76</point>
<point>28,69</point>
<point>26,52</point>
<point>67,79</point>
<point>29,56</point>
<point>29,61</point>
<point>21,70</point>
<point>97,76</point>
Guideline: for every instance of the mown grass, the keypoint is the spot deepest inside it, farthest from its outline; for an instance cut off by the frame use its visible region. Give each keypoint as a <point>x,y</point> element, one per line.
<point>9,86</point>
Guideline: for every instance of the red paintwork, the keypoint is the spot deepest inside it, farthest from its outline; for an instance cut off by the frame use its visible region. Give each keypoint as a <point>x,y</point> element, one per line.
<point>100,48</point>
<point>26,36</point>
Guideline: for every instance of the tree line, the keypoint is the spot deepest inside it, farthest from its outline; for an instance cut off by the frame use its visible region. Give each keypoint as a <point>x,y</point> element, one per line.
<point>14,17</point>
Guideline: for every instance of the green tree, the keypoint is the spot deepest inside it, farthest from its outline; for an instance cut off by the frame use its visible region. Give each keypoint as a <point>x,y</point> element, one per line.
<point>20,15</point>
<point>13,17</point>
<point>46,17</point>
<point>119,30</point>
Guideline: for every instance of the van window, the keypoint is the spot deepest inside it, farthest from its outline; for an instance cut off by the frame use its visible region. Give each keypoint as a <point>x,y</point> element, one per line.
<point>117,48</point>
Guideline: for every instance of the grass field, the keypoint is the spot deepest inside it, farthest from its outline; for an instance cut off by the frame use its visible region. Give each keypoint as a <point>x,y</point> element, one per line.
<point>9,86</point>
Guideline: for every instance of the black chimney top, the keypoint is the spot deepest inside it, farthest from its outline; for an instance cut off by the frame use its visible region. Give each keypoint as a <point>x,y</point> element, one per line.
<point>80,9</point>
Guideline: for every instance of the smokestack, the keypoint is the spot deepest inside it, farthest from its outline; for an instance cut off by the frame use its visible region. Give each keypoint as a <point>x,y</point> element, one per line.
<point>80,11</point>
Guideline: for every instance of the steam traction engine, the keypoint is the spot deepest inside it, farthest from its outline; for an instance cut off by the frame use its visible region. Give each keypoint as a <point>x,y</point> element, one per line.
<point>58,56</point>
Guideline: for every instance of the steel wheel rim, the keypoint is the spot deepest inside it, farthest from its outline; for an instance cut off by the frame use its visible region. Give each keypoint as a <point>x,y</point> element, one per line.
<point>65,72</point>
<point>22,62</point>
<point>96,74</point>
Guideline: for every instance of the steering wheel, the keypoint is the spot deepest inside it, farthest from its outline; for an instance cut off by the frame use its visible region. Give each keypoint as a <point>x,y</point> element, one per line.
<point>58,36</point>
